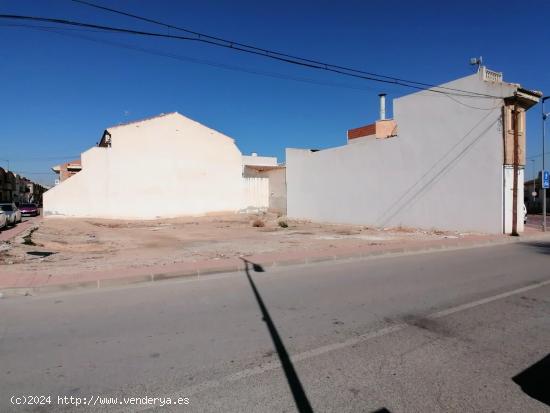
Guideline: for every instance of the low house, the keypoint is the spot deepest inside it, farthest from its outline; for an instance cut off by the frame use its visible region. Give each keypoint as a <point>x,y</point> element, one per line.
<point>67,169</point>
<point>444,161</point>
<point>265,172</point>
<point>164,166</point>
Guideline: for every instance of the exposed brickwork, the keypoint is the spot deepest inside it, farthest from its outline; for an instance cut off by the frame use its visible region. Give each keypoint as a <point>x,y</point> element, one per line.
<point>362,131</point>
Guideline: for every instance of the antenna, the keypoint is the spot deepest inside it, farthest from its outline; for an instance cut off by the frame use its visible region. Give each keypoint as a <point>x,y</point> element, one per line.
<point>476,61</point>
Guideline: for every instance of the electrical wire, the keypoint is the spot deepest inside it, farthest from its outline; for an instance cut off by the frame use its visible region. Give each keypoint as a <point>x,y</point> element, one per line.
<point>267,52</point>
<point>56,30</point>
<point>323,66</point>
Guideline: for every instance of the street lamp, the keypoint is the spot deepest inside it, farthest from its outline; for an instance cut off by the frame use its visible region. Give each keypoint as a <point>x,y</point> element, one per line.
<point>544,117</point>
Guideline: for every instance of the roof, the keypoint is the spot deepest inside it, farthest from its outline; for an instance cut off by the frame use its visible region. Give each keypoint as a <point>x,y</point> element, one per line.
<point>142,120</point>
<point>105,138</point>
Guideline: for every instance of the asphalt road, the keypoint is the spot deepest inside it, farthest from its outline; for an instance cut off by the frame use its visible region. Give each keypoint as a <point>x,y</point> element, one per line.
<point>445,331</point>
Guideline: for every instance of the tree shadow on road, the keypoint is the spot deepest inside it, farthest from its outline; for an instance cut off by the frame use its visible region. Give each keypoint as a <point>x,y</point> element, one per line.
<point>300,397</point>
<point>535,380</point>
<point>542,247</point>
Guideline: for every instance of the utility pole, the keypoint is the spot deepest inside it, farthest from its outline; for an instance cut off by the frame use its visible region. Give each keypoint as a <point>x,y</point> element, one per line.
<point>516,168</point>
<point>534,179</point>
<point>544,116</point>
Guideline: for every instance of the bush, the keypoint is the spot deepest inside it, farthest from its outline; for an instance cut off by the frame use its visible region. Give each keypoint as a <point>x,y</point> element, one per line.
<point>258,223</point>
<point>283,223</point>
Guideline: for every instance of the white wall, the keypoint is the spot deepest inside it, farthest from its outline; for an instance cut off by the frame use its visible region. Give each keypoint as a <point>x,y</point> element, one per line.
<point>277,190</point>
<point>162,167</point>
<point>254,160</point>
<point>508,206</point>
<point>256,192</point>
<point>274,197</point>
<point>444,169</point>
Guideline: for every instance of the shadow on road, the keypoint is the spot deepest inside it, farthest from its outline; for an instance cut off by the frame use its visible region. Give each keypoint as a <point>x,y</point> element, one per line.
<point>535,380</point>
<point>300,398</point>
<point>542,247</point>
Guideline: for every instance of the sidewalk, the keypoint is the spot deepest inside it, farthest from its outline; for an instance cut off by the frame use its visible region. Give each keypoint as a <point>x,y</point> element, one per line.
<point>41,282</point>
<point>11,232</point>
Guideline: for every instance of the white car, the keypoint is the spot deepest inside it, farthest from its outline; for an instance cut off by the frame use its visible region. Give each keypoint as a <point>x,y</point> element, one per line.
<point>3,220</point>
<point>524,214</point>
<point>12,213</point>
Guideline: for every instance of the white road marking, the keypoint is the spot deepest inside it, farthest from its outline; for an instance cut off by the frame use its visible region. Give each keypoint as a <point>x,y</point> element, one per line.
<point>191,390</point>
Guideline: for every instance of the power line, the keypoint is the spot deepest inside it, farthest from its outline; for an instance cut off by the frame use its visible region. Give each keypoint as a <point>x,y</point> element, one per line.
<point>470,106</point>
<point>320,66</point>
<point>55,30</point>
<point>538,155</point>
<point>60,31</point>
<point>266,52</point>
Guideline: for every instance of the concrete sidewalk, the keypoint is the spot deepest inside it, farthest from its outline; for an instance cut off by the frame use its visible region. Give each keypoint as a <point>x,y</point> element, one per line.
<point>39,282</point>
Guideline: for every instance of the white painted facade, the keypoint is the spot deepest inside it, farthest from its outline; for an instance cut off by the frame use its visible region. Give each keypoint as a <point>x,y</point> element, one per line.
<point>273,181</point>
<point>166,166</point>
<point>444,168</point>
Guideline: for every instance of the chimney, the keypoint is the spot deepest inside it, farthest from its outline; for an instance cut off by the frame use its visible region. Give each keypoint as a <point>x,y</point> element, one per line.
<point>382,106</point>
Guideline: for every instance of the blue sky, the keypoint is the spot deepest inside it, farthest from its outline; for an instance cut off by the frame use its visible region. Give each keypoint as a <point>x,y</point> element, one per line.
<point>59,92</point>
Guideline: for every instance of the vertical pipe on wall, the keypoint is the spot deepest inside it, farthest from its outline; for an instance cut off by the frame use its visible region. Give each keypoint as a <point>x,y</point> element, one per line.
<point>516,169</point>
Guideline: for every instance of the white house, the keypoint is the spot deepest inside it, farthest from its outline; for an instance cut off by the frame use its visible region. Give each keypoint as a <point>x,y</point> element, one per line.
<point>444,161</point>
<point>164,166</point>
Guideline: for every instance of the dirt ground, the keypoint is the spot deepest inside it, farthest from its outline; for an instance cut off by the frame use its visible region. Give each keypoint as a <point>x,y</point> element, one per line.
<point>70,245</point>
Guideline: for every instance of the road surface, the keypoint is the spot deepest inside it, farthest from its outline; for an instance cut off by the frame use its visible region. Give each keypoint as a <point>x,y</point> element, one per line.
<point>445,331</point>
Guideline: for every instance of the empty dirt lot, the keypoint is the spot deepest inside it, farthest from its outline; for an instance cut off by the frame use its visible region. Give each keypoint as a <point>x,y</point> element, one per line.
<point>62,245</point>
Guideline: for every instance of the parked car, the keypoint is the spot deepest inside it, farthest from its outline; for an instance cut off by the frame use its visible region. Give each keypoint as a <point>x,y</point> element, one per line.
<point>29,210</point>
<point>524,214</point>
<point>3,220</point>
<point>12,213</point>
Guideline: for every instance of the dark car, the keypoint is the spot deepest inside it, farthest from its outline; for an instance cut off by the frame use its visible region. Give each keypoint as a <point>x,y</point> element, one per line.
<point>30,210</point>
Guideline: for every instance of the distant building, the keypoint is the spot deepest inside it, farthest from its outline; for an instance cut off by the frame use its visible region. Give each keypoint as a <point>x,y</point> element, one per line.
<point>164,166</point>
<point>16,188</point>
<point>67,169</point>
<point>444,161</point>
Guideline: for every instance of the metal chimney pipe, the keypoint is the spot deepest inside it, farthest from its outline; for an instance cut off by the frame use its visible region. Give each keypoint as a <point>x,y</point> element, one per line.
<point>382,106</point>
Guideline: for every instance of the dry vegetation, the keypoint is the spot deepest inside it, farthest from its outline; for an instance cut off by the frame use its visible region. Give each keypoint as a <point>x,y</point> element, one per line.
<point>61,246</point>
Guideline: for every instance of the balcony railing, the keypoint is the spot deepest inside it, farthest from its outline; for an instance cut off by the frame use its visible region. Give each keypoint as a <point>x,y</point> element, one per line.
<point>491,76</point>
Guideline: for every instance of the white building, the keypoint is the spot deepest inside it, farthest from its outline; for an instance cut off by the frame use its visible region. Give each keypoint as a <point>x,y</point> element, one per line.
<point>444,161</point>
<point>165,166</point>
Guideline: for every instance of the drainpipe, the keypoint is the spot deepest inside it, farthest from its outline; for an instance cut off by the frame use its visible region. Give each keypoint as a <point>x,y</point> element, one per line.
<point>516,168</point>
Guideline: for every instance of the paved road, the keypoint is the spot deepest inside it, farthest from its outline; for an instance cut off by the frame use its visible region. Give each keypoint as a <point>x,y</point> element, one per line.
<point>445,331</point>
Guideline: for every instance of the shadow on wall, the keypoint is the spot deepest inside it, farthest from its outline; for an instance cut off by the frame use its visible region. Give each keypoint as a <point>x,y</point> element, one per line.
<point>439,169</point>
<point>535,380</point>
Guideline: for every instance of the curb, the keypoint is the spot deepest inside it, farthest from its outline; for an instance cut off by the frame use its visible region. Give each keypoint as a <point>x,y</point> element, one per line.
<point>202,272</point>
